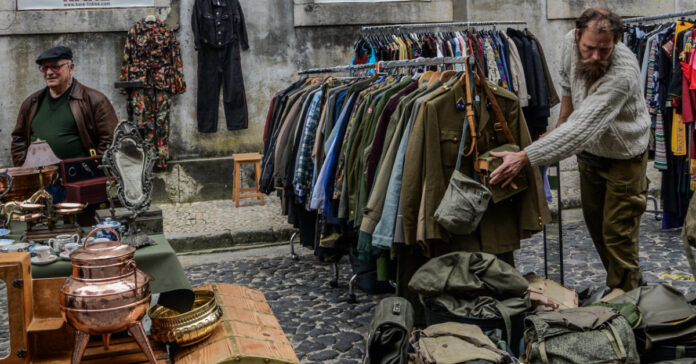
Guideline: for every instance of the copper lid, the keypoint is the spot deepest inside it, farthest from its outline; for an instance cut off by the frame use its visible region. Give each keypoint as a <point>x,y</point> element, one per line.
<point>102,251</point>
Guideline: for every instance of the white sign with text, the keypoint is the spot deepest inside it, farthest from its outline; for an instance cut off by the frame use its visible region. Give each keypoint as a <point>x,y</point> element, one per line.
<point>80,4</point>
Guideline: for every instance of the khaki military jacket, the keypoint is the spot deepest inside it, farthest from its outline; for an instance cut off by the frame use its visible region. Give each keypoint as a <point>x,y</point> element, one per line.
<point>431,156</point>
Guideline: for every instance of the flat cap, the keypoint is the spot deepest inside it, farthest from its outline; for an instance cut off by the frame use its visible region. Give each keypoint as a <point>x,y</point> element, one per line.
<point>58,52</point>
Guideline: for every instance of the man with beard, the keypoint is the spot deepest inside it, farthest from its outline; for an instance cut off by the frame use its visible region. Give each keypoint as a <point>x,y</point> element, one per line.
<point>72,118</point>
<point>604,119</point>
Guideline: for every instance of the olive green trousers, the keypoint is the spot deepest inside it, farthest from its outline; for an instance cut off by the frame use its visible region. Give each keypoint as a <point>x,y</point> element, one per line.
<point>614,196</point>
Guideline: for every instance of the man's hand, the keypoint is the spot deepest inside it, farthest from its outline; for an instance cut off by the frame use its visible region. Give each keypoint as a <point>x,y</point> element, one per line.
<point>512,165</point>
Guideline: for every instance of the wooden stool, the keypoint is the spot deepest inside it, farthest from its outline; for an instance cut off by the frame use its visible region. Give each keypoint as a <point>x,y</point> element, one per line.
<point>246,158</point>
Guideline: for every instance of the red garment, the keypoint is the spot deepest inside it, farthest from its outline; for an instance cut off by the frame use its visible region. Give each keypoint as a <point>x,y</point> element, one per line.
<point>269,116</point>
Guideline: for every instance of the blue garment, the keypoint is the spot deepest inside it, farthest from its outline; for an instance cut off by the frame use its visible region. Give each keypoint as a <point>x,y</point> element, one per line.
<point>501,48</point>
<point>303,161</point>
<point>337,134</point>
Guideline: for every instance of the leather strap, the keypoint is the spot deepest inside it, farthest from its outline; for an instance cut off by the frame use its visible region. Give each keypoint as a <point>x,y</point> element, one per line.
<point>542,352</point>
<point>470,116</point>
<point>497,112</point>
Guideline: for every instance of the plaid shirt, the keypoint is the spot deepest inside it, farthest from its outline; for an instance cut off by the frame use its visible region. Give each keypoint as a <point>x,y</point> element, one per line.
<point>304,166</point>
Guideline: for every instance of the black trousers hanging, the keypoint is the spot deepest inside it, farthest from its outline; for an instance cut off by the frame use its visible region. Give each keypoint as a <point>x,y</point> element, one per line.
<point>220,67</point>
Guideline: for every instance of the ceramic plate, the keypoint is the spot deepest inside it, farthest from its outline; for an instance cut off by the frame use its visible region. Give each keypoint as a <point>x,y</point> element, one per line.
<point>64,256</point>
<point>4,232</point>
<point>35,260</point>
<point>6,242</point>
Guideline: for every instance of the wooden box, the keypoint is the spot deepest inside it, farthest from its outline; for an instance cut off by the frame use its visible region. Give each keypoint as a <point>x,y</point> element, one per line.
<point>91,191</point>
<point>249,332</point>
<point>81,169</point>
<point>149,222</point>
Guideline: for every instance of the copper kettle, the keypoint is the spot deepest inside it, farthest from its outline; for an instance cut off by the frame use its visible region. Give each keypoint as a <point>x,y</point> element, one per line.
<point>105,294</point>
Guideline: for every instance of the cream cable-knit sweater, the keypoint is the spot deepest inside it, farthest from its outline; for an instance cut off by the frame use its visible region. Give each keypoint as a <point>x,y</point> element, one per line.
<point>611,120</point>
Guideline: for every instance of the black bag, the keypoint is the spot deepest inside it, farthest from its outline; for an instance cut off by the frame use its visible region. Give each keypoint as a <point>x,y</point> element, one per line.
<point>390,329</point>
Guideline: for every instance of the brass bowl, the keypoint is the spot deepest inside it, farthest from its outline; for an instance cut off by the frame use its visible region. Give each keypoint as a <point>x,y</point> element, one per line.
<point>188,328</point>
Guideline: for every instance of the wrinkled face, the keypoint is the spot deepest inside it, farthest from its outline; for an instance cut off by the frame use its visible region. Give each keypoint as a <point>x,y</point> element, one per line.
<point>57,73</point>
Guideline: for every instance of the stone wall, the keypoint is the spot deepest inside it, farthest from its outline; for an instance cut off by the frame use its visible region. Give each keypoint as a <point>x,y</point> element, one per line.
<point>284,36</point>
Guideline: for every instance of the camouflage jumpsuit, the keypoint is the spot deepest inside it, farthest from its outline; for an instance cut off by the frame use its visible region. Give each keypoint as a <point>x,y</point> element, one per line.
<point>152,55</point>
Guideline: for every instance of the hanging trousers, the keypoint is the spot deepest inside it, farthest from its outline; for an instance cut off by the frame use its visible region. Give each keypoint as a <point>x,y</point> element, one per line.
<point>220,67</point>
<point>151,112</point>
<point>613,198</point>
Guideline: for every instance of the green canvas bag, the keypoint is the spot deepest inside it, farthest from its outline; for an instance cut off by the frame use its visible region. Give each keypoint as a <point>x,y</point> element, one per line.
<point>389,332</point>
<point>583,335</point>
<point>488,163</point>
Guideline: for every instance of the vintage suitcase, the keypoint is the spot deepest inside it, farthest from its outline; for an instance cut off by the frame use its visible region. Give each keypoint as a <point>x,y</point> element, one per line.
<point>249,332</point>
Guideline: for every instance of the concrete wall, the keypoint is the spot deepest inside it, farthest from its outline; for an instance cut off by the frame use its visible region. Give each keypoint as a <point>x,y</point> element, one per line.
<point>202,168</point>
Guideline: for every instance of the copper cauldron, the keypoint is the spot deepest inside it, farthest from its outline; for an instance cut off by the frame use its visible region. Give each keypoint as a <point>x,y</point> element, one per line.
<point>105,294</point>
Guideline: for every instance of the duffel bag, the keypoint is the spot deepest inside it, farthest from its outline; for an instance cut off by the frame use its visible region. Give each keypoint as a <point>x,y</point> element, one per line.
<point>583,335</point>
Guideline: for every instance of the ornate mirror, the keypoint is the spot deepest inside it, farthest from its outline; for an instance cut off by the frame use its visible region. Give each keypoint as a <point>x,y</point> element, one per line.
<point>130,160</point>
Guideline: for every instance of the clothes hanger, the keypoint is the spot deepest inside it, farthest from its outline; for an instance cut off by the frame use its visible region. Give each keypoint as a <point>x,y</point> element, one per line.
<point>150,18</point>
<point>446,75</point>
<point>435,76</point>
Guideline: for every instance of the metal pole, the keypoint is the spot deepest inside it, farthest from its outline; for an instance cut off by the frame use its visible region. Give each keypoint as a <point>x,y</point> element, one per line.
<point>442,25</point>
<point>661,16</point>
<point>390,64</point>
<point>560,221</point>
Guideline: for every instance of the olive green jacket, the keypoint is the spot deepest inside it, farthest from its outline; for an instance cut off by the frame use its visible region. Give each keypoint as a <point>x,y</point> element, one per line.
<point>431,156</point>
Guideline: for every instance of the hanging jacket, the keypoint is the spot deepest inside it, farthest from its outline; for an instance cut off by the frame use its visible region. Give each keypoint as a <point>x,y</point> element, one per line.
<point>152,55</point>
<point>432,154</point>
<point>217,23</point>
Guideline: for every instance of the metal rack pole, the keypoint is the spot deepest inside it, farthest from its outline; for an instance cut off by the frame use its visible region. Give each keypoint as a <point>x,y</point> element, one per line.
<point>389,64</point>
<point>661,16</point>
<point>442,25</point>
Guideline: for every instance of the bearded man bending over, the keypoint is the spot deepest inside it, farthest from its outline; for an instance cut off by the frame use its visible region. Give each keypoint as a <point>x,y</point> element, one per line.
<point>604,120</point>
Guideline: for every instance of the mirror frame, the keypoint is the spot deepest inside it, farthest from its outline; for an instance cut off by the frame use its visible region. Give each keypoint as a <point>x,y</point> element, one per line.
<point>127,131</point>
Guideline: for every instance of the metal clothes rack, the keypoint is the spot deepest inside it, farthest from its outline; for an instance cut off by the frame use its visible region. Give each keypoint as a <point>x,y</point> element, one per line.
<point>389,64</point>
<point>442,25</point>
<point>659,17</point>
<point>352,298</point>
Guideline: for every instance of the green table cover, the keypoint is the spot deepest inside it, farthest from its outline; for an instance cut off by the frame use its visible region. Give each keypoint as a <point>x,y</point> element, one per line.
<point>157,260</point>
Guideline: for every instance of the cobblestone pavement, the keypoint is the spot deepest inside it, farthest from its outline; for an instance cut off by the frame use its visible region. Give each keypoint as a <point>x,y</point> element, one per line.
<point>324,328</point>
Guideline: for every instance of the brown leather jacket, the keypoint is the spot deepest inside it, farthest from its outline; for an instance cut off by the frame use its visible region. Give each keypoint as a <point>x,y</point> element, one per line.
<point>94,115</point>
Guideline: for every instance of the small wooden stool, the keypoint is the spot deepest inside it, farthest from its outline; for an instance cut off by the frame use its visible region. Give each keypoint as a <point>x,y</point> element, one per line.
<point>246,158</point>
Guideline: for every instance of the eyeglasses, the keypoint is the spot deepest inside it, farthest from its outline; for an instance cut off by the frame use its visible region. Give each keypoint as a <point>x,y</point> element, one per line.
<point>54,68</point>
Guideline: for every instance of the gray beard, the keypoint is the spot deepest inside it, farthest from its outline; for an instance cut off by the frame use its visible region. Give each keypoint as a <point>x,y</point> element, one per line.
<point>589,71</point>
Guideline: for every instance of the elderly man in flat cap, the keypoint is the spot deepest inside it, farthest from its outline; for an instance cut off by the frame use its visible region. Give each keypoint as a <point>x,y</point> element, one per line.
<point>74,119</point>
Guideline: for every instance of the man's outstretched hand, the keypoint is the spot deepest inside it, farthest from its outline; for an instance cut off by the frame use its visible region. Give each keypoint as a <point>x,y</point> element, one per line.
<point>512,165</point>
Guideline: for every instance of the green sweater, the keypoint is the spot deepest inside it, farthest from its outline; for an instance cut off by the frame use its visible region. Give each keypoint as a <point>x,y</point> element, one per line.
<point>55,123</point>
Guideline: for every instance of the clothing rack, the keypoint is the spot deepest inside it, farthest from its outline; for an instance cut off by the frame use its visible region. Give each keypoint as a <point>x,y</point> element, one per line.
<point>389,64</point>
<point>658,17</point>
<point>441,25</point>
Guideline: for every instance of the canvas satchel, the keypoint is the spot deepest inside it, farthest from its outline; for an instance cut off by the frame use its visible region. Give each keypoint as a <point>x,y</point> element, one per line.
<point>387,340</point>
<point>465,200</point>
<point>487,163</point>
<point>453,343</point>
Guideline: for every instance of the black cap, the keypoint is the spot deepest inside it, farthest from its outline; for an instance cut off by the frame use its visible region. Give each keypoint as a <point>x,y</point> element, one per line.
<point>59,52</point>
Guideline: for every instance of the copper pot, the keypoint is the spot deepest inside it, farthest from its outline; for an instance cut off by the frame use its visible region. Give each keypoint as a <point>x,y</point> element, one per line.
<point>105,294</point>
<point>26,181</point>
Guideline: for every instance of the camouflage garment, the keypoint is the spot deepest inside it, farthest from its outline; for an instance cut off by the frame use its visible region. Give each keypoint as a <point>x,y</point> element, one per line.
<point>152,55</point>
